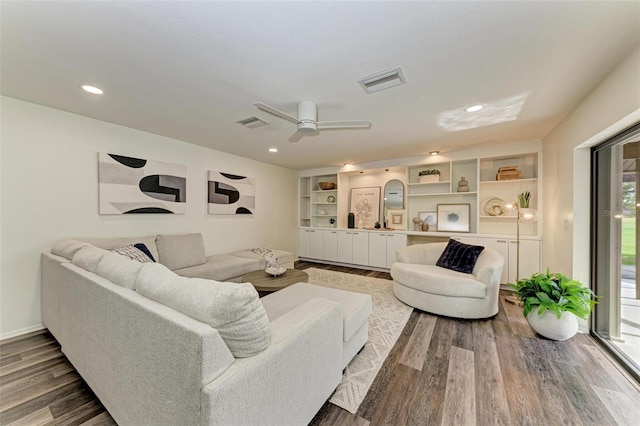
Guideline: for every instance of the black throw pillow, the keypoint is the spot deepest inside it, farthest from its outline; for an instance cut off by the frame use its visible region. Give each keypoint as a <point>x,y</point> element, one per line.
<point>459,257</point>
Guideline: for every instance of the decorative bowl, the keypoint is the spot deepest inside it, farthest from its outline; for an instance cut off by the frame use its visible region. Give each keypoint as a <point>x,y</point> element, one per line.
<point>280,270</point>
<point>326,185</point>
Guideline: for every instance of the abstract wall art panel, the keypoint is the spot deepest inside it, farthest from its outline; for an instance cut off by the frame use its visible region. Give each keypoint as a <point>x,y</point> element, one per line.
<point>231,194</point>
<point>134,185</point>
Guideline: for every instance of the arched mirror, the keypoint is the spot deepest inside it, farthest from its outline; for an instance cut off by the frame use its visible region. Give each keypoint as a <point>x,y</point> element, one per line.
<point>393,196</point>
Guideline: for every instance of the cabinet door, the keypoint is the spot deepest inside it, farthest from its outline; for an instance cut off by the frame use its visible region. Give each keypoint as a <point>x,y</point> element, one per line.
<point>378,250</point>
<point>394,242</point>
<point>330,249</point>
<point>502,247</point>
<point>316,244</point>
<point>303,242</point>
<point>529,258</point>
<point>360,248</point>
<point>345,246</point>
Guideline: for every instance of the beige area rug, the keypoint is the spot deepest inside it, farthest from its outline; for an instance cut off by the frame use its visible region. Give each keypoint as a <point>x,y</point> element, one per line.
<point>386,322</point>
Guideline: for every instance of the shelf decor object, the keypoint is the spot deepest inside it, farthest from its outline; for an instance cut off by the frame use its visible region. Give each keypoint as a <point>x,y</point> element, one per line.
<point>453,217</point>
<point>508,173</point>
<point>325,186</point>
<point>429,176</point>
<point>365,205</point>
<point>430,219</point>
<point>495,207</point>
<point>396,218</point>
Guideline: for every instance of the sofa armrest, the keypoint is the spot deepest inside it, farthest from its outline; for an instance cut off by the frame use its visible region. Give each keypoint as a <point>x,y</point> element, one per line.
<point>289,381</point>
<point>488,268</point>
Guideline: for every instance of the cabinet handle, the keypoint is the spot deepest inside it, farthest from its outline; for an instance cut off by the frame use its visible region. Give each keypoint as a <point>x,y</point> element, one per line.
<point>501,241</point>
<point>334,232</point>
<point>514,242</point>
<point>382,235</point>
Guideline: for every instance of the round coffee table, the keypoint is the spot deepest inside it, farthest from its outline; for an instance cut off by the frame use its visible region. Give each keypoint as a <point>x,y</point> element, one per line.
<point>266,283</point>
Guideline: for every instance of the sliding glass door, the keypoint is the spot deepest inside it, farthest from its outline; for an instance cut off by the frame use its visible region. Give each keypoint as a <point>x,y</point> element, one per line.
<point>615,245</point>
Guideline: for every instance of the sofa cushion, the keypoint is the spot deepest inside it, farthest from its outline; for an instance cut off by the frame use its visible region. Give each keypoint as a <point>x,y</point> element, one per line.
<point>356,307</point>
<point>221,267</point>
<point>138,252</point>
<point>436,280</point>
<point>117,242</point>
<point>233,309</point>
<point>67,248</point>
<point>119,270</point>
<point>180,251</point>
<point>459,257</point>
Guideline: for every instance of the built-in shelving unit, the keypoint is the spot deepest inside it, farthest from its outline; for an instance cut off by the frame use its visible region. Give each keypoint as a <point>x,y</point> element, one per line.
<point>329,209</point>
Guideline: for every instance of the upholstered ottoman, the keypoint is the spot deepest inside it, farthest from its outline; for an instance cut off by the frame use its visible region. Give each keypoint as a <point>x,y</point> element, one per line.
<point>356,311</point>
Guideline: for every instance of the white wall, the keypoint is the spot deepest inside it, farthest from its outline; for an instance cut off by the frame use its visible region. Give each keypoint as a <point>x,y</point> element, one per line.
<point>611,107</point>
<point>49,191</point>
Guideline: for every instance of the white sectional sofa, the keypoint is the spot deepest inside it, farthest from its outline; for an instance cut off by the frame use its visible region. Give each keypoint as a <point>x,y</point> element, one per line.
<point>162,349</point>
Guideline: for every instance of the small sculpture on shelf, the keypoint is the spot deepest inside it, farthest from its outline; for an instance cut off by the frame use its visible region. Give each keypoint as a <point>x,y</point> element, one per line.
<point>463,185</point>
<point>417,223</point>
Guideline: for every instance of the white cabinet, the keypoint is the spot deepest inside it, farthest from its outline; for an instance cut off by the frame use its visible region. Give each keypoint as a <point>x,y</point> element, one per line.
<point>529,256</point>
<point>467,240</point>
<point>353,247</point>
<point>303,242</point>
<point>330,245</point>
<point>501,245</point>
<point>318,244</point>
<point>383,246</point>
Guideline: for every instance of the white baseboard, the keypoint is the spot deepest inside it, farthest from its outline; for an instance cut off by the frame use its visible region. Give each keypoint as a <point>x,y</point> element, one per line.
<point>21,331</point>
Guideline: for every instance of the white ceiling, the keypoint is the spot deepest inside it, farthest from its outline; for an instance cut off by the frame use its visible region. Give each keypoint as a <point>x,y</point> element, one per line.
<point>190,70</point>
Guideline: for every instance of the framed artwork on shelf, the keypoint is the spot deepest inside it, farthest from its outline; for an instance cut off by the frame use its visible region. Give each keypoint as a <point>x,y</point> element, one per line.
<point>453,217</point>
<point>431,218</point>
<point>365,205</point>
<point>396,218</point>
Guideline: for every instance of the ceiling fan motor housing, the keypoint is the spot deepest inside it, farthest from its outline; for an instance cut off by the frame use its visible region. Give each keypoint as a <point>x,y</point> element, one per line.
<point>307,117</point>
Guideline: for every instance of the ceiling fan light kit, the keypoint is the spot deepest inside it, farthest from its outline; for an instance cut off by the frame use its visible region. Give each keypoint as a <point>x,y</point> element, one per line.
<point>307,120</point>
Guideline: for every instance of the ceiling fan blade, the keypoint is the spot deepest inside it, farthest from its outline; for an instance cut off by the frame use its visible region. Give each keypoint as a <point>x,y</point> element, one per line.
<point>353,124</point>
<point>276,112</point>
<point>296,137</point>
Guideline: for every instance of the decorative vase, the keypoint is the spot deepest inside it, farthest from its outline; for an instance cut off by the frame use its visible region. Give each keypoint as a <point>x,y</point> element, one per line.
<point>351,221</point>
<point>360,224</point>
<point>550,326</point>
<point>463,185</point>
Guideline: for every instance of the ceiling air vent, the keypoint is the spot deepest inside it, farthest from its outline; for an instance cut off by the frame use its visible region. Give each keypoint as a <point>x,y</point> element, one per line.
<point>382,80</point>
<point>252,122</point>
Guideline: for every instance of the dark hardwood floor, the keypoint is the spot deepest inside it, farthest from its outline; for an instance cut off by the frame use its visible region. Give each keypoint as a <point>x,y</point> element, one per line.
<point>441,371</point>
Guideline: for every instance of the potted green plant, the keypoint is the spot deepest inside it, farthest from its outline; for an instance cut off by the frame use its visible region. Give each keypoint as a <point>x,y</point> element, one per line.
<point>429,176</point>
<point>377,225</point>
<point>553,303</point>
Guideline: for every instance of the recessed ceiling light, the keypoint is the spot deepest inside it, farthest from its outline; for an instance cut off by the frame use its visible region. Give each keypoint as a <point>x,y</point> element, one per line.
<point>474,108</point>
<point>273,149</point>
<point>434,153</point>
<point>92,89</point>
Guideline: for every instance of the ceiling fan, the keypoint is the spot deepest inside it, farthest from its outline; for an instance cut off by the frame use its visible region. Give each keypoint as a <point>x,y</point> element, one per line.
<point>307,120</point>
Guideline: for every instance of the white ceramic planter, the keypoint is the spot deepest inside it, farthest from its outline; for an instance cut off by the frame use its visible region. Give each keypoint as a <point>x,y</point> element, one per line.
<point>550,326</point>
<point>429,178</point>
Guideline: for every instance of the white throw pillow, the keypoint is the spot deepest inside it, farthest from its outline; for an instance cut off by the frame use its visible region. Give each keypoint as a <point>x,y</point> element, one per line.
<point>231,308</point>
<point>67,248</point>
<point>119,270</point>
<point>88,257</point>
